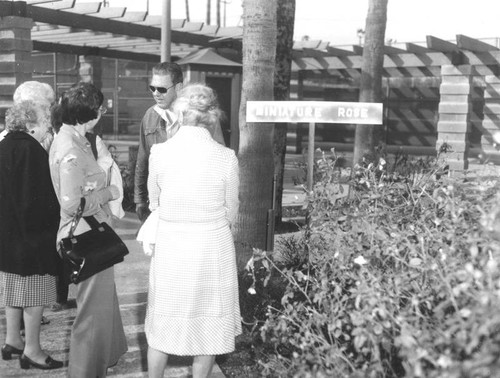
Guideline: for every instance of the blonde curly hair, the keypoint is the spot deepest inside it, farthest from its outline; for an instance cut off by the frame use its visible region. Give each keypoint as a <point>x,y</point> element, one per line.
<point>197,105</point>
<point>22,116</point>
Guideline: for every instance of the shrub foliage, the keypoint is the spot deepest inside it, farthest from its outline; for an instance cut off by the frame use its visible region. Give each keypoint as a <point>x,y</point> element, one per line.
<point>395,275</point>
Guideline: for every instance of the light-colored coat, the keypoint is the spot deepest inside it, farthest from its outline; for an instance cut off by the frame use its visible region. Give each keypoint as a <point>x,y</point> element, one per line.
<point>193,306</point>
<point>97,337</point>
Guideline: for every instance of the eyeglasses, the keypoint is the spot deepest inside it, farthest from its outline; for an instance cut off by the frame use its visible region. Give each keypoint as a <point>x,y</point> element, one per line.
<point>161,90</point>
<point>103,110</point>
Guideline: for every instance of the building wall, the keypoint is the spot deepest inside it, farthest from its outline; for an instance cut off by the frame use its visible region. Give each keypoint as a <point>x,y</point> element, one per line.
<point>411,113</point>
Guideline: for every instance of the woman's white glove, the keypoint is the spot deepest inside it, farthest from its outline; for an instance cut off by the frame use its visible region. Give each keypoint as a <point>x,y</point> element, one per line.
<point>147,233</point>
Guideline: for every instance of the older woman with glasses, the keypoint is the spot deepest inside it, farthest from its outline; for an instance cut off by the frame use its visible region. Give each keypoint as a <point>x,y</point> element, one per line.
<point>97,338</point>
<point>29,218</point>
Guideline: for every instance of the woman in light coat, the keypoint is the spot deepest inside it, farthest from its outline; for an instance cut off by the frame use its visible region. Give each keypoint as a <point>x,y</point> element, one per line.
<point>193,306</point>
<point>97,337</point>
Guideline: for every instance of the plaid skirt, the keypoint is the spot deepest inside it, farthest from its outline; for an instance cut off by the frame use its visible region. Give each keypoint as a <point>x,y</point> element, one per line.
<point>27,291</point>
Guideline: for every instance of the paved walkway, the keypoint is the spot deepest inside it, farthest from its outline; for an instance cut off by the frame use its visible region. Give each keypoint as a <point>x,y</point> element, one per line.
<point>131,279</point>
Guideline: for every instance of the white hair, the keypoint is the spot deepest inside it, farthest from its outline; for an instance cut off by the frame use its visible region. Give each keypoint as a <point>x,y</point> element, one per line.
<point>40,96</point>
<point>196,105</point>
<point>35,91</point>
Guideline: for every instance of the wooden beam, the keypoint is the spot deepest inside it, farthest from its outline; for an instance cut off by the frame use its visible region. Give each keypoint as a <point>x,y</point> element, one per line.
<point>490,58</point>
<point>85,8</point>
<point>41,1</point>
<point>208,30</point>
<point>437,44</point>
<point>64,4</point>
<point>315,53</point>
<point>388,50</point>
<point>39,14</point>
<point>471,44</point>
<point>391,50</point>
<point>114,12</point>
<point>192,26</point>
<point>155,20</point>
<point>40,27</point>
<point>133,16</point>
<point>82,50</point>
<point>67,34</point>
<point>334,51</point>
<point>358,50</point>
<point>416,49</point>
<point>432,59</point>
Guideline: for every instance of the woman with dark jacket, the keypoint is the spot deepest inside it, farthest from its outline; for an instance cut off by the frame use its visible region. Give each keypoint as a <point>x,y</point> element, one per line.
<point>29,219</point>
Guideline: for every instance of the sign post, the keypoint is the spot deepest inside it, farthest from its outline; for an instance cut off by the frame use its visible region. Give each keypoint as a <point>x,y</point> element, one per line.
<point>312,112</point>
<point>310,157</point>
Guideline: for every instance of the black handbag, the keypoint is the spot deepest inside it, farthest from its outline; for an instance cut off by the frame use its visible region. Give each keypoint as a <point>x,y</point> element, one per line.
<point>91,252</point>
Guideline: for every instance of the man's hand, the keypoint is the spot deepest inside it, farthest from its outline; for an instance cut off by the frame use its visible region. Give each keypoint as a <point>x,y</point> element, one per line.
<point>142,211</point>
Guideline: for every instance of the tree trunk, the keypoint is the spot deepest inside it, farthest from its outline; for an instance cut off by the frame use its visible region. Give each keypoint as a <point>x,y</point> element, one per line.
<point>367,137</point>
<point>282,75</point>
<point>255,152</point>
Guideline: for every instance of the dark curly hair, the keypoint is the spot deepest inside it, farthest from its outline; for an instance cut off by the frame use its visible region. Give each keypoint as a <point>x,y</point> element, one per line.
<point>79,104</point>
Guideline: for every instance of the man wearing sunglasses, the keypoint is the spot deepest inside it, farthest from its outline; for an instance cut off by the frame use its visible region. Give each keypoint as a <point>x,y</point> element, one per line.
<point>158,125</point>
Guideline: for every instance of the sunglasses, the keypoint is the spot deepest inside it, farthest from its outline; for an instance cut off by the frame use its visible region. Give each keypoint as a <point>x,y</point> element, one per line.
<point>161,90</point>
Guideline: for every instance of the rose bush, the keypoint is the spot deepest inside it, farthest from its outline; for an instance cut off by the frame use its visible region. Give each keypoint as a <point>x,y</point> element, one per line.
<point>398,278</point>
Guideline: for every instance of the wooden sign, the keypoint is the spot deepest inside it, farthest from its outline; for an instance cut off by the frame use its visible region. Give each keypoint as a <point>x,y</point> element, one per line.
<point>311,112</point>
<point>315,111</point>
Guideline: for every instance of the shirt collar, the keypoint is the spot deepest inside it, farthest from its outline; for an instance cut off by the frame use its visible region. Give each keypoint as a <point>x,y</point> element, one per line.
<point>169,117</point>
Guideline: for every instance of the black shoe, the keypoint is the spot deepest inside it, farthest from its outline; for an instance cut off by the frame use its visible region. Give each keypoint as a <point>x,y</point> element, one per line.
<point>26,363</point>
<point>9,350</point>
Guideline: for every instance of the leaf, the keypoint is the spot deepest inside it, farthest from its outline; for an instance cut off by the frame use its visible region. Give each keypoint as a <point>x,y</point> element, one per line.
<point>359,341</point>
<point>406,340</point>
<point>378,329</point>
<point>415,261</point>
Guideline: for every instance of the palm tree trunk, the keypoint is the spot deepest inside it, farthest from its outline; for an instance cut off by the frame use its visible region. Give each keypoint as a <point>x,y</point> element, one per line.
<point>367,137</point>
<point>255,152</point>
<point>282,76</point>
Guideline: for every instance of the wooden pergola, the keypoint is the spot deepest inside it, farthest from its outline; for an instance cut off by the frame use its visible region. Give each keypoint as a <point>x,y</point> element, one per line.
<point>90,29</point>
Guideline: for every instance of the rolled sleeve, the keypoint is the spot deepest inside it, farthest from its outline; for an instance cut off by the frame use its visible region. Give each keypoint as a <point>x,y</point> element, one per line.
<point>141,169</point>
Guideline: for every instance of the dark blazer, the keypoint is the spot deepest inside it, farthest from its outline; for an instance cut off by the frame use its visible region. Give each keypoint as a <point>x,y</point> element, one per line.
<point>29,210</point>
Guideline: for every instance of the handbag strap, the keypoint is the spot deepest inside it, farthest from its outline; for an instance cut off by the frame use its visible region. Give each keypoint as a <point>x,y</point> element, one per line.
<point>92,222</point>
<point>77,217</point>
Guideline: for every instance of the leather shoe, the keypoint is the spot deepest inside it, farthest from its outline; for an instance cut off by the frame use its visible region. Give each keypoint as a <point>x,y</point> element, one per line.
<point>9,350</point>
<point>26,363</point>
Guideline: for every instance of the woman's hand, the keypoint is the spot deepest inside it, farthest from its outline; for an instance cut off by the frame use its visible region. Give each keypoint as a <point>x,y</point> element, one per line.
<point>114,192</point>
